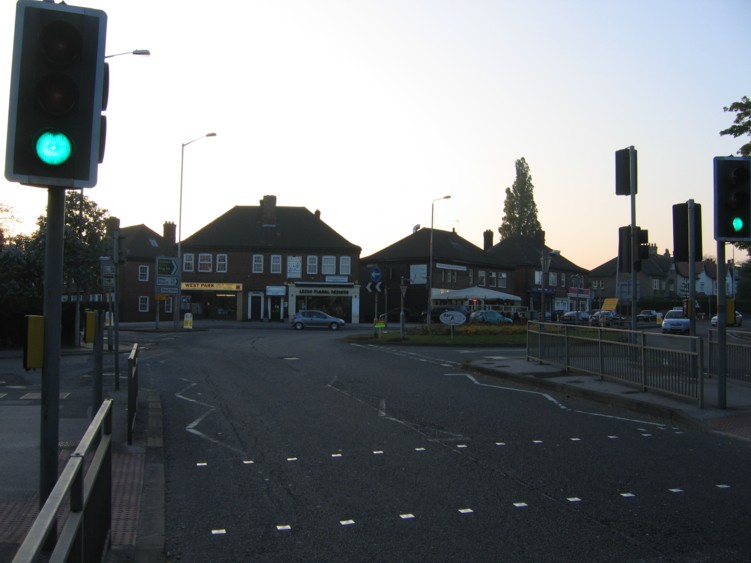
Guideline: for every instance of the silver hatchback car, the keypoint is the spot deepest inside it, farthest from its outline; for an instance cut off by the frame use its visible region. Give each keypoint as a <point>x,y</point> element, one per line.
<point>316,319</point>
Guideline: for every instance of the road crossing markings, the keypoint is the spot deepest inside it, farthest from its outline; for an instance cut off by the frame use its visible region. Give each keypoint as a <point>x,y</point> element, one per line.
<point>248,462</point>
<point>406,516</point>
<point>284,527</point>
<point>377,452</point>
<point>520,505</point>
<point>500,443</point>
<point>576,439</point>
<point>465,511</point>
<point>336,455</point>
<point>291,459</point>
<point>218,532</point>
<point>419,449</point>
<point>628,495</point>
<point>461,445</point>
<point>675,490</point>
<point>347,522</point>
<point>201,464</point>
<point>537,441</point>
<point>722,486</point>
<point>573,499</point>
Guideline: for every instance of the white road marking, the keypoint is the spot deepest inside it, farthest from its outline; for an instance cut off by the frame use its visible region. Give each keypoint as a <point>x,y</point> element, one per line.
<point>346,522</point>
<point>465,511</point>
<point>218,532</point>
<point>406,516</point>
<point>284,527</point>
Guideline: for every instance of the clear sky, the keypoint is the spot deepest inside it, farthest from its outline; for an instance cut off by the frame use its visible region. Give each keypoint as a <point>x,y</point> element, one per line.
<point>368,110</point>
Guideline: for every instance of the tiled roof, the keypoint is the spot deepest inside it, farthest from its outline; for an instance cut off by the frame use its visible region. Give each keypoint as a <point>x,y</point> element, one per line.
<point>526,252</point>
<point>447,246</point>
<point>294,228</point>
<point>140,242</point>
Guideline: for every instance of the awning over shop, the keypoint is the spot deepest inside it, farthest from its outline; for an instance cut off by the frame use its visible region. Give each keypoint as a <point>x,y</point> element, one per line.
<point>479,293</point>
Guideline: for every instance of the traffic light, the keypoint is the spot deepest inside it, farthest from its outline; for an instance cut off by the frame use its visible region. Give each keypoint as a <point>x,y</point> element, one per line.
<point>642,251</point>
<point>623,168</point>
<point>625,263</point>
<point>57,95</point>
<point>732,198</point>
<point>681,241</point>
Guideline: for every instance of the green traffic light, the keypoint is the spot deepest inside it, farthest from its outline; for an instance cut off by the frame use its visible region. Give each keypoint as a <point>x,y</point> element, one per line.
<point>53,148</point>
<point>737,224</point>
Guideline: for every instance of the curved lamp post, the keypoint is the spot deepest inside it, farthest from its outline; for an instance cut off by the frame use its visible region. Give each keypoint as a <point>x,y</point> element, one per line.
<point>430,259</point>
<point>177,305</point>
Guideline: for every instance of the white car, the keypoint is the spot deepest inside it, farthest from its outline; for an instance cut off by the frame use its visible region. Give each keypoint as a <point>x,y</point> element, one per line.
<point>675,321</point>
<point>738,319</point>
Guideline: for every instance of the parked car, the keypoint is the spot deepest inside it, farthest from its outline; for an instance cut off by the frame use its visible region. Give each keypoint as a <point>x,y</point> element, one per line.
<point>648,315</point>
<point>609,318</point>
<point>316,319</point>
<point>676,322</point>
<point>575,317</point>
<point>489,317</point>
<point>738,319</point>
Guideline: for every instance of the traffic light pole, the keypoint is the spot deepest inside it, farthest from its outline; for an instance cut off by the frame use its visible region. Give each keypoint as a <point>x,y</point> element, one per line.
<point>53,283</point>
<point>721,327</point>
<point>634,238</point>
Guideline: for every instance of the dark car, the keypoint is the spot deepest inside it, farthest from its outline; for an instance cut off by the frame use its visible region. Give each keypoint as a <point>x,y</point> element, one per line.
<point>575,317</point>
<point>316,319</point>
<point>648,315</point>
<point>609,318</point>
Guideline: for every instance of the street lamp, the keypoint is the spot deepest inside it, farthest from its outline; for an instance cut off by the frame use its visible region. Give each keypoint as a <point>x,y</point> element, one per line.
<point>430,260</point>
<point>177,305</point>
<point>142,52</point>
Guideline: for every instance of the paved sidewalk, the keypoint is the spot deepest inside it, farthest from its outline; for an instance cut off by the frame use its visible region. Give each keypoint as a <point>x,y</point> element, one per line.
<point>138,469</point>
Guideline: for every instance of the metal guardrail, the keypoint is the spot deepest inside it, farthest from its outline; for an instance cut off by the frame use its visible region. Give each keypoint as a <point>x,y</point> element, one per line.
<point>86,533</point>
<point>633,357</point>
<point>737,354</point>
<point>132,390</point>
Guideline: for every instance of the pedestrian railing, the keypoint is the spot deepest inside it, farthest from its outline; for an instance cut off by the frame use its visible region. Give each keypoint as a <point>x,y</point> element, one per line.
<point>87,481</point>
<point>651,362</point>
<point>737,355</point>
<point>132,390</point>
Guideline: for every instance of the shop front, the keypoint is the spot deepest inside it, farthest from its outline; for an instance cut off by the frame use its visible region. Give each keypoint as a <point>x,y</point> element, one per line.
<point>338,299</point>
<point>206,300</point>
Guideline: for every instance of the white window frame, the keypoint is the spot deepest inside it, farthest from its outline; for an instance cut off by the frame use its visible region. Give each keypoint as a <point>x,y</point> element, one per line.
<point>345,265</point>
<point>502,280</point>
<point>481,278</point>
<point>328,265</point>
<point>143,273</point>
<point>189,261</point>
<point>143,303</point>
<point>221,263</point>
<point>168,305</point>
<point>257,266</point>
<point>276,264</point>
<point>205,262</point>
<point>311,266</point>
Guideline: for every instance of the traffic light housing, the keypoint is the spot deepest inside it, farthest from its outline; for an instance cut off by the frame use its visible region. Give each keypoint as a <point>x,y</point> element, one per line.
<point>732,198</point>
<point>57,95</point>
<point>623,169</point>
<point>625,262</point>
<point>681,241</point>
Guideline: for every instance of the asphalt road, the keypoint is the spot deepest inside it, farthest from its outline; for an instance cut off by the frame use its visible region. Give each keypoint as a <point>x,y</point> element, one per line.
<point>297,446</point>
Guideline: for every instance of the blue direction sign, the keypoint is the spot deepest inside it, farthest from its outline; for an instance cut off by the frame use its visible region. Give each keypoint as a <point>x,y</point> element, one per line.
<point>375,274</point>
<point>167,275</point>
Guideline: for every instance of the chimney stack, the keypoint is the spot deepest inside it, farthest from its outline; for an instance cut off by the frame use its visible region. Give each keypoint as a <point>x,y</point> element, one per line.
<point>168,233</point>
<point>268,211</point>
<point>487,238</point>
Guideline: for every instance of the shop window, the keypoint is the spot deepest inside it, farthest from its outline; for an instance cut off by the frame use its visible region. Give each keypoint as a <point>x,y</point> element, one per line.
<point>143,273</point>
<point>312,265</point>
<point>345,265</point>
<point>221,263</point>
<point>188,262</point>
<point>276,264</point>
<point>258,263</point>
<point>143,304</point>
<point>204,262</point>
<point>329,266</point>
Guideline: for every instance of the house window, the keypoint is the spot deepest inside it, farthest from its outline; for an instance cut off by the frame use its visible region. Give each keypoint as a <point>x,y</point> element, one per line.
<point>188,262</point>
<point>221,263</point>
<point>258,263</point>
<point>204,262</point>
<point>481,278</point>
<point>328,268</point>
<point>563,280</point>
<point>656,284</point>
<point>493,282</point>
<point>276,264</point>
<point>345,265</point>
<point>143,304</point>
<point>502,279</point>
<point>471,277</point>
<point>143,273</point>
<point>552,279</point>
<point>312,264</point>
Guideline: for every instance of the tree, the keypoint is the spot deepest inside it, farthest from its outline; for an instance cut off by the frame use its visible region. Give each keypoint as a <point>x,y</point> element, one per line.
<point>520,209</point>
<point>6,217</point>
<point>742,124</point>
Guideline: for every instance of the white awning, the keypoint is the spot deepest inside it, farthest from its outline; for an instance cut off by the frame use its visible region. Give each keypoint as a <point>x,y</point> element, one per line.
<point>479,293</point>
